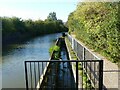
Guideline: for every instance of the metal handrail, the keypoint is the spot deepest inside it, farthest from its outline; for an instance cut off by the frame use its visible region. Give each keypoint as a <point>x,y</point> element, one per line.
<point>92,66</point>
<point>34,66</point>
<point>72,38</point>
<point>66,61</point>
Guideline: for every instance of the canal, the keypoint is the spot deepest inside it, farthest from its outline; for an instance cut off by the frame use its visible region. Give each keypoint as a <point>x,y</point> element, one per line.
<point>13,59</point>
<point>58,75</point>
<point>65,74</point>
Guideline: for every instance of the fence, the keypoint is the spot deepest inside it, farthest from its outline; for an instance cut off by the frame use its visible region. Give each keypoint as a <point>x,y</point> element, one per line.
<point>59,74</point>
<point>54,74</point>
<point>84,53</point>
<point>81,51</point>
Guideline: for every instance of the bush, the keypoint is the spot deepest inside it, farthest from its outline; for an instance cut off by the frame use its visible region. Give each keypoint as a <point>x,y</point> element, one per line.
<point>55,50</point>
<point>97,24</point>
<point>29,28</point>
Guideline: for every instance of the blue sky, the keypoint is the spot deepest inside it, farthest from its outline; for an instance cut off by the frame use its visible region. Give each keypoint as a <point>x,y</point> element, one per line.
<point>37,9</point>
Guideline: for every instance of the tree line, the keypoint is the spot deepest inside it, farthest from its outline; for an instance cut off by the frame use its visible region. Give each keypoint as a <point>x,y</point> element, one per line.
<point>15,29</point>
<point>97,24</point>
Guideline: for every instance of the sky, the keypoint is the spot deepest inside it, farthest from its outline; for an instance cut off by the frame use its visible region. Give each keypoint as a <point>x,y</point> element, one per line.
<point>37,9</point>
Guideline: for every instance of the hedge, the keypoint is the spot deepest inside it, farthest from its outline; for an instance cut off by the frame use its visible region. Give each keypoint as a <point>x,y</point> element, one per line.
<point>97,24</point>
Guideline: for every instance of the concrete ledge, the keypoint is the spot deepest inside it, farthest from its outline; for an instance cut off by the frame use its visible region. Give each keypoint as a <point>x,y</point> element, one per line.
<point>73,64</point>
<point>42,77</point>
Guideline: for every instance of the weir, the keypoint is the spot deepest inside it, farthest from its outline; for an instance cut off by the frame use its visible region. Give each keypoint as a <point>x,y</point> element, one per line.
<point>64,73</point>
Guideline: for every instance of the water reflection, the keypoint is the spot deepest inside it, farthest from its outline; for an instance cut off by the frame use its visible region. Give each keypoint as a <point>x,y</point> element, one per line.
<point>15,55</point>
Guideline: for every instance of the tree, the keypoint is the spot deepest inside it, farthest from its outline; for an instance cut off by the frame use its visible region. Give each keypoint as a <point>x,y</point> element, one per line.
<point>52,16</point>
<point>18,24</point>
<point>14,27</point>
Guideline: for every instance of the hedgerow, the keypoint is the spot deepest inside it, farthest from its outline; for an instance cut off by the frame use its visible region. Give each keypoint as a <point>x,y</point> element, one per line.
<point>97,24</point>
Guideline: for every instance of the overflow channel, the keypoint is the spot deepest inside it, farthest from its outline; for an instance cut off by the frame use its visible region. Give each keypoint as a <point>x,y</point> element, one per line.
<point>59,74</point>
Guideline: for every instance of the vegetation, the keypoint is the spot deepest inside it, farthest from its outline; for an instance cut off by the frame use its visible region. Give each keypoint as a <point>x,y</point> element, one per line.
<point>14,29</point>
<point>55,50</point>
<point>97,24</point>
<point>86,81</point>
<point>71,52</point>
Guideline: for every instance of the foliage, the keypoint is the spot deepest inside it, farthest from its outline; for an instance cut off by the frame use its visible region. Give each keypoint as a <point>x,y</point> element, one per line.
<point>52,16</point>
<point>56,51</point>
<point>14,27</point>
<point>54,48</point>
<point>98,25</point>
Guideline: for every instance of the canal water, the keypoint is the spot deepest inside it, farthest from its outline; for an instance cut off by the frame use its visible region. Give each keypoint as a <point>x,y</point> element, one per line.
<point>13,75</point>
<point>59,75</point>
<point>65,74</point>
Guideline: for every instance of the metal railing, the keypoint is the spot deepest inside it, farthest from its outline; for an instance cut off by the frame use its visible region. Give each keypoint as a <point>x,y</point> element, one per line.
<point>52,74</point>
<point>83,53</point>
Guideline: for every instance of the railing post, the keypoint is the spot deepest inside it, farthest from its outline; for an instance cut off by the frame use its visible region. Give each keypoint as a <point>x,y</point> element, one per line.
<point>72,43</point>
<point>84,57</point>
<point>101,75</point>
<point>76,75</point>
<point>26,75</point>
<point>77,48</point>
<point>83,53</point>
